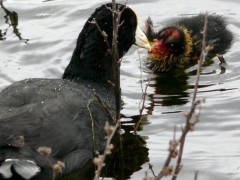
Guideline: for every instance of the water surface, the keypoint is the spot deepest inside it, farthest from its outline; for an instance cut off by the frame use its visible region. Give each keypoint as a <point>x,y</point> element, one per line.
<point>37,38</point>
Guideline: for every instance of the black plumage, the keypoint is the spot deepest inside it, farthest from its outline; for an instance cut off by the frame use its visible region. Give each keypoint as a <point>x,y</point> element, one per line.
<point>65,114</point>
<point>92,60</point>
<point>178,44</point>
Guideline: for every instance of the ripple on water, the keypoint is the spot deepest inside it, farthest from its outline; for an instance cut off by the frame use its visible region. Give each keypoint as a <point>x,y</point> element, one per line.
<point>212,148</point>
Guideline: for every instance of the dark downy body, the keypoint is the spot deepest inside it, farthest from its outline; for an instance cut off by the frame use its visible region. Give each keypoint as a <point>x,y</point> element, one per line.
<point>182,41</point>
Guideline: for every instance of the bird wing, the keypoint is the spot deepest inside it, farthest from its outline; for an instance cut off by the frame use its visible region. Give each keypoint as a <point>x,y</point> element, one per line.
<point>53,113</point>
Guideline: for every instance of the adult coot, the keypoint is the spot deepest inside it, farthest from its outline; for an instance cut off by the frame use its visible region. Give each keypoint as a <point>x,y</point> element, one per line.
<point>43,121</point>
<point>179,44</point>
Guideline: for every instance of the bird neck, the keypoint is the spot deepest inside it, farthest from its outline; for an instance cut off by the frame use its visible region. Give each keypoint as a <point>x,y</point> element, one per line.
<point>94,67</point>
<point>188,43</point>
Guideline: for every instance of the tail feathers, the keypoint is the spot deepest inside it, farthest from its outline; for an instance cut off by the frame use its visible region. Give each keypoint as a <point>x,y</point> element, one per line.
<point>24,168</point>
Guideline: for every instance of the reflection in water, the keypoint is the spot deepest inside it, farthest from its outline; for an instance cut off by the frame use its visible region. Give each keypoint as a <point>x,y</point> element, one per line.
<point>213,148</point>
<point>170,89</point>
<point>209,62</point>
<point>11,19</point>
<point>2,34</point>
<point>129,154</point>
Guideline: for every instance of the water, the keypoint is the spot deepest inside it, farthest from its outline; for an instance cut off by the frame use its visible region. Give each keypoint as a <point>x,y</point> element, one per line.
<point>41,44</point>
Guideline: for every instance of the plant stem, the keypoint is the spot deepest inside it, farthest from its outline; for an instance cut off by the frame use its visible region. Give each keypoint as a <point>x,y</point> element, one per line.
<point>188,125</point>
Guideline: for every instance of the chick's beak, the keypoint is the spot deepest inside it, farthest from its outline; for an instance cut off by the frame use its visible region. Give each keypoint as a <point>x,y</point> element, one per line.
<point>141,39</point>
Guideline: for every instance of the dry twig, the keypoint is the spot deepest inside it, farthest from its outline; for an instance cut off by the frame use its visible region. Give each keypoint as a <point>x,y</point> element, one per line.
<point>103,33</point>
<point>99,161</point>
<point>143,99</point>
<point>115,57</point>
<point>196,175</point>
<point>111,130</point>
<point>189,125</point>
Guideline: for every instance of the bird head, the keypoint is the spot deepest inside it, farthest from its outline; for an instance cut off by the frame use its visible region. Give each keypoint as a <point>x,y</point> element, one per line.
<point>170,48</point>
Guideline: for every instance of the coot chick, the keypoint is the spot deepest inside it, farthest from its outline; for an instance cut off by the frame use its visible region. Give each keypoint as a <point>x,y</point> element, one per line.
<point>178,44</point>
<point>44,121</point>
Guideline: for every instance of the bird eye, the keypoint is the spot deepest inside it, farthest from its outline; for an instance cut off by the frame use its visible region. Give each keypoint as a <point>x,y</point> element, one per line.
<point>170,44</point>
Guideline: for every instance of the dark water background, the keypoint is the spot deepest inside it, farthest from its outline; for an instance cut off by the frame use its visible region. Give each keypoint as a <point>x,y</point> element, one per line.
<point>37,38</point>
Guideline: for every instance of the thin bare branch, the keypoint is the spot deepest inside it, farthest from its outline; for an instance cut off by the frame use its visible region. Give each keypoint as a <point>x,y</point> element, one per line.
<point>111,130</point>
<point>103,33</point>
<point>173,152</point>
<point>144,95</point>
<point>99,161</point>
<point>115,57</point>
<point>150,166</point>
<point>105,107</point>
<point>188,125</point>
<point>202,57</point>
<point>196,175</point>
